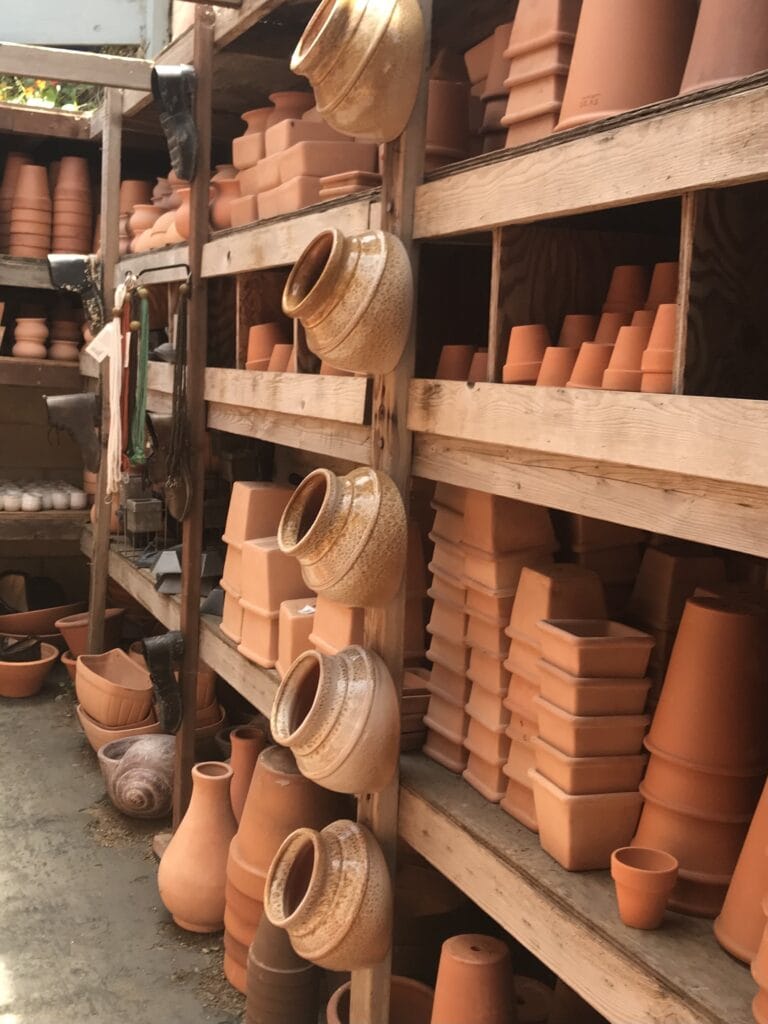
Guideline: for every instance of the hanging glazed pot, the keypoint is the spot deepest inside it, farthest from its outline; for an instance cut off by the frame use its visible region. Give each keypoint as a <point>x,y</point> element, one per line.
<point>364,61</point>
<point>340,717</point>
<point>138,774</point>
<point>332,893</point>
<point>192,872</point>
<point>354,296</point>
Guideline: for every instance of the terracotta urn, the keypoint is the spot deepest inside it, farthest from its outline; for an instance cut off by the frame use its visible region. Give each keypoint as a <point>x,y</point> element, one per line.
<point>247,742</point>
<point>332,893</point>
<point>281,987</point>
<point>340,717</point>
<point>591,363</point>
<point>30,335</point>
<point>193,868</point>
<point>626,55</point>
<point>138,774</point>
<point>556,366</point>
<point>143,218</point>
<point>347,58</point>
<point>474,982</point>
<point>410,1002</point>
<point>644,880</point>
<point>225,192</point>
<point>730,41</point>
<point>527,344</point>
<point>354,296</point>
<point>349,534</point>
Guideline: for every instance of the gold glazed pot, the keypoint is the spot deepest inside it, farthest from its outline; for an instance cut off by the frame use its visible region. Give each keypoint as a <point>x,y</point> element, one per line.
<point>354,296</point>
<point>349,534</point>
<point>364,59</point>
<point>332,893</point>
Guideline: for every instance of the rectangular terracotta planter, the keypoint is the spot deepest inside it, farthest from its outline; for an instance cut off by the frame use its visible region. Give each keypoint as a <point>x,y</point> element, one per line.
<point>586,695</point>
<point>232,619</point>
<point>451,655</point>
<point>487,779</point>
<point>451,686</point>
<point>581,832</point>
<point>444,717</point>
<point>488,709</point>
<point>447,558</point>
<point>591,735</point>
<point>448,525</point>
<point>519,804</point>
<point>233,567</point>
<point>488,636</point>
<point>260,634</point>
<point>595,647</point>
<point>501,571</point>
<point>446,752</point>
<point>448,621</point>
<point>586,775</point>
<point>447,592</point>
<point>492,608</point>
<point>488,671</point>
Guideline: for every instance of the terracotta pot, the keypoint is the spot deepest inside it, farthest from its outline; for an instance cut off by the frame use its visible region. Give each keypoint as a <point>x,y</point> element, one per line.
<point>455,362</point>
<point>760,974</point>
<point>410,1002</point>
<point>446,752</point>
<point>609,325</point>
<point>113,689</point>
<point>31,189</point>
<point>254,511</point>
<point>659,354</point>
<point>580,695</point>
<point>269,577</point>
<point>657,384</point>
<point>282,360</point>
<point>143,218</point>
<point>555,591</point>
<point>644,880</point>
<point>556,367</point>
<point>295,626</point>
<point>478,368</point>
<point>721,647</point>
<point>247,742</point>
<point>577,328</point>
<point>626,56</point>
<point>133,193</point>
<point>347,57</point>
<point>349,534</point>
<point>668,576</point>
<point>74,629</point>
<point>25,678</point>
<point>74,175</point>
<point>70,664</point>
<point>591,363</point>
<point>225,192</point>
<point>182,215</point>
<point>448,107</point>
<point>13,162</point>
<point>262,339</point>
<point>336,626</point>
<point>354,297</point>
<point>498,71</point>
<point>569,1008</point>
<point>257,120</point>
<point>595,647</point>
<point>525,352</point>
<point>623,372</point>
<point>138,774</point>
<point>97,734</point>
<point>579,776</point>
<point>289,104</point>
<point>193,868</point>
<point>281,988</point>
<point>664,285</point>
<point>332,893</point>
<point>474,982</point>
<point>727,44</point>
<point>534,1000</point>
<point>627,290</point>
<point>590,735</point>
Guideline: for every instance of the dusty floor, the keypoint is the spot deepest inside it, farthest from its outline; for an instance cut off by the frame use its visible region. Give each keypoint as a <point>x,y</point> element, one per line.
<point>83,935</point>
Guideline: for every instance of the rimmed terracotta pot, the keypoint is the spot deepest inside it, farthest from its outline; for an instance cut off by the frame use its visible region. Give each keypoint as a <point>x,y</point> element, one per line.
<point>527,345</point>
<point>138,774</point>
<point>340,717</point>
<point>623,372</point>
<point>226,191</point>
<point>354,296</point>
<point>74,629</point>
<point>26,678</point>
<point>332,893</point>
<point>584,695</point>
<point>349,534</point>
<point>97,734</point>
<point>627,290</point>
<point>410,1002</point>
<point>348,54</point>
<point>113,688</point>
<point>192,871</point>
<point>730,41</point>
<point>595,647</point>
<point>577,328</point>
<point>247,742</point>
<point>281,987</point>
<point>591,363</point>
<point>664,285</point>
<point>454,362</point>
<point>555,591</point>
<point>474,982</point>
<point>644,880</point>
<point>254,511</point>
<point>580,776</point>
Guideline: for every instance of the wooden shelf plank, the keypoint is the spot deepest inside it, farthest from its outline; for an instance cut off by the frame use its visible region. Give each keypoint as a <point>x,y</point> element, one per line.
<point>569,919</point>
<point>34,526</point>
<point>20,272</point>
<point>76,66</point>
<point>158,266</point>
<point>39,373</point>
<point>341,399</point>
<point>21,119</point>
<point>706,140</point>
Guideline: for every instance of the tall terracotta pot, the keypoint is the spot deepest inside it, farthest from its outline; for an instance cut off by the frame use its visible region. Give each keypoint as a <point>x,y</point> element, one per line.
<point>247,741</point>
<point>281,988</point>
<point>474,982</point>
<point>332,893</point>
<point>354,296</point>
<point>730,41</point>
<point>193,868</point>
<point>349,534</point>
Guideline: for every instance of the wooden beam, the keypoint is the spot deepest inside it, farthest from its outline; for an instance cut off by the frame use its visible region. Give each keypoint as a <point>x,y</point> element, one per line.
<point>159,266</point>
<point>21,119</point>
<point>340,399</point>
<point>41,526</point>
<point>21,272</point>
<point>39,373</point>
<point>75,66</point>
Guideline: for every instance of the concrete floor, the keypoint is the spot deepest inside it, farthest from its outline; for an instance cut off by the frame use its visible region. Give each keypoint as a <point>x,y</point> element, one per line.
<point>83,935</point>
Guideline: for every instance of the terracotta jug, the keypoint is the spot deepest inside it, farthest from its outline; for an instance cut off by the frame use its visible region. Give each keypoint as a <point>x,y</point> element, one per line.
<point>626,55</point>
<point>354,296</point>
<point>332,893</point>
<point>730,41</point>
<point>138,774</point>
<point>247,741</point>
<point>193,868</point>
<point>225,192</point>
<point>410,1002</point>
<point>349,534</point>
<point>643,879</point>
<point>281,988</point>
<point>346,61</point>
<point>340,717</point>
<point>474,982</point>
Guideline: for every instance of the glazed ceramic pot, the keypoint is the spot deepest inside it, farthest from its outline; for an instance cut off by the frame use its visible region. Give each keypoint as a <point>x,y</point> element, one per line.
<point>525,352</point>
<point>410,1002</point>
<point>354,296</point>
<point>281,987</point>
<point>247,742</point>
<point>138,774</point>
<point>556,366</point>
<point>729,42</point>
<point>349,534</point>
<point>626,55</point>
<point>192,871</point>
<point>25,678</point>
<point>74,629</point>
<point>349,49</point>
<point>113,688</point>
<point>474,982</point>
<point>225,192</point>
<point>644,880</point>
<point>340,717</point>
<point>332,893</point>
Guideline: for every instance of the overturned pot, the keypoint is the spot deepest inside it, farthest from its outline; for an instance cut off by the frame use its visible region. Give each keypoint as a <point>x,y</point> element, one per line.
<point>138,774</point>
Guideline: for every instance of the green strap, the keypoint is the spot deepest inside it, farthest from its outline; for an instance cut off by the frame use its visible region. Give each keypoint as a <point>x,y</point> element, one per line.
<point>137,452</point>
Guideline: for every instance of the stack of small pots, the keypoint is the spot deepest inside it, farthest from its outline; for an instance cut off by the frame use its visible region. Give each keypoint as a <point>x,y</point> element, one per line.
<point>707,744</point>
<point>13,163</point>
<point>31,213</point>
<point>264,341</point>
<point>591,728</point>
<point>553,591</point>
<point>495,97</point>
<point>72,207</point>
<point>116,698</point>
<point>447,133</point>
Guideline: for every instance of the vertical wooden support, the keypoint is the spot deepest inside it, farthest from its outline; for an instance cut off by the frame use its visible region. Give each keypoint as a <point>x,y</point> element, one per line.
<point>391,452</point>
<point>497,350</point>
<point>110,217</point>
<point>192,536</point>
<point>688,218</point>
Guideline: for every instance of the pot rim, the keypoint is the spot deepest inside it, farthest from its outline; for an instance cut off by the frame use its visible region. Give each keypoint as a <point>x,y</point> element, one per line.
<point>296,308</point>
<point>292,846</point>
<point>307,484</point>
<point>284,698</point>
<point>318,26</point>
<point>639,877</point>
<point>215,770</point>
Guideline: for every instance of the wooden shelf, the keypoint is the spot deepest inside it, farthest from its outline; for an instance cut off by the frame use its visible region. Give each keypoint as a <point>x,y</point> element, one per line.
<point>20,272</point>
<point>33,526</point>
<point>567,919</point>
<point>39,373</point>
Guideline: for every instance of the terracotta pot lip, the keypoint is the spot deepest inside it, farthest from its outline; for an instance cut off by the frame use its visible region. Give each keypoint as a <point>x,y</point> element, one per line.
<point>299,840</point>
<point>399,980</point>
<point>539,42</point>
<point>283,701</point>
<point>558,70</point>
<point>644,867</point>
<point>47,651</point>
<point>218,770</point>
<point>682,762</point>
<point>308,484</point>
<point>247,732</point>
<point>687,812</point>
<point>296,296</point>
<point>82,618</point>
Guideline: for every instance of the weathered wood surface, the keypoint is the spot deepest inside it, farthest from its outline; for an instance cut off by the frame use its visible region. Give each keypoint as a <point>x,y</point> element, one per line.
<point>39,373</point>
<point>57,124</point>
<point>21,272</point>
<point>75,66</point>
<point>337,399</point>
<point>42,526</point>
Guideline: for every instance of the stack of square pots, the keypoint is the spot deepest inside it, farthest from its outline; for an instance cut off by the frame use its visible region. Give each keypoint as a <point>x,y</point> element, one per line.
<point>255,509</point>
<point>495,95</point>
<point>614,552</point>
<point>550,591</point>
<point>588,753</point>
<point>295,623</point>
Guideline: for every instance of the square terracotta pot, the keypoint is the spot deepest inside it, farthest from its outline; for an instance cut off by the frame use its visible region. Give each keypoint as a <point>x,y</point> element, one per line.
<point>613,565</point>
<point>290,196</point>
<point>291,131</point>
<point>259,637</point>
<point>336,625</point>
<point>501,571</point>
<point>232,619</point>
<point>416,683</point>
<point>498,525</point>
<point>519,762</point>
<point>254,510</point>
<point>595,647</point>
<point>446,752</point>
<point>554,592</point>
<point>450,496</point>
<point>448,525</point>
<point>580,776</point>
<point>523,659</point>
<point>518,802</point>
<point>668,577</point>
<point>492,607</point>
<point>488,779</point>
<point>591,735</point>
<point>583,695</point>
<point>521,697</point>
<point>294,628</point>
<point>448,593</point>
<point>447,621</point>
<point>270,576</point>
<point>446,718</point>
<point>320,159</point>
<point>487,636</point>
<point>454,687</point>
<point>488,672</point>
<point>233,567</point>
<point>447,558</point>
<point>487,709</point>
<point>453,656</point>
<point>587,534</point>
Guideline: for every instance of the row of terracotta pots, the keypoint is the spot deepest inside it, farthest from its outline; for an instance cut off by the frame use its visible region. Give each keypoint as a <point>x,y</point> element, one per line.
<point>45,209</point>
<point>34,340</point>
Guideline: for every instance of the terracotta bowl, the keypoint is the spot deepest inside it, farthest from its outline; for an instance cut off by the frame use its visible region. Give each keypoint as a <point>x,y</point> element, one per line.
<point>74,629</point>
<point>37,623</point>
<point>113,689</point>
<point>25,678</point>
<point>98,734</point>
<point>70,664</point>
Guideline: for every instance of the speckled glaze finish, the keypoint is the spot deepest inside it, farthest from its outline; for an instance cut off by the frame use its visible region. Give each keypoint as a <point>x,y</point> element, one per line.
<point>364,61</point>
<point>339,715</point>
<point>354,296</point>
<point>332,893</point>
<point>349,534</point>
<point>138,774</point>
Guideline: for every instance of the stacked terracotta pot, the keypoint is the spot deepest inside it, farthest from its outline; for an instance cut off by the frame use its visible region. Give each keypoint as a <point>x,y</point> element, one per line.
<point>263,340</point>
<point>295,624</point>
<point>614,552</point>
<point>494,96</point>
<point>414,633</point>
<point>414,703</point>
<point>591,725</point>
<point>500,538</point>
<point>66,333</point>
<point>115,698</point>
<point>13,162</point>
<point>551,591</point>
<point>728,43</point>
<point>163,218</point>
<point>477,61</point>
<point>73,207</point>
<point>447,111</point>
<point>31,212</point>
<point>455,362</point>
<point>474,981</point>
<point>134,193</point>
<point>527,346</point>
<point>254,511</point>
<point>281,987</point>
<point>708,748</point>
<point>30,334</point>
<point>335,626</point>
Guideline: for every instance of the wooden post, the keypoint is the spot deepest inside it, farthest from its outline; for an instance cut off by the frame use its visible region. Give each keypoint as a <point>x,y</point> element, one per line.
<point>391,452</point>
<point>192,536</point>
<point>110,218</point>
<point>689,214</point>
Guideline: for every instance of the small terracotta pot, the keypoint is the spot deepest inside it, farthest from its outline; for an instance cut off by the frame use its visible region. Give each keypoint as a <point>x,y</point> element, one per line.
<point>97,734</point>
<point>525,352</point>
<point>579,776</point>
<point>556,367</point>
<point>74,629</point>
<point>609,325</point>
<point>113,689</point>
<point>591,363</point>
<point>133,193</point>
<point>623,371</point>
<point>657,384</point>
<point>410,1002</point>
<point>282,360</point>
<point>25,678</point>
<point>727,44</point>
<point>578,328</point>
<point>664,285</point>
<point>474,982</point>
<point>627,290</point>
<point>455,362</point>
<point>336,626</point>
<point>644,880</point>
<point>262,339</point>
<point>446,752</point>
<point>247,741</point>
<point>295,626</point>
<point>478,368</point>
<point>451,686</point>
